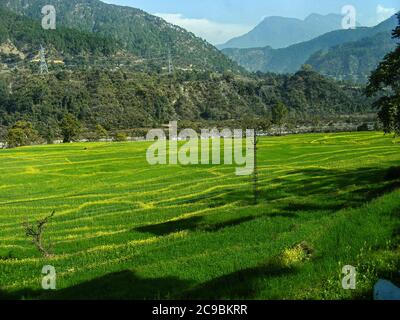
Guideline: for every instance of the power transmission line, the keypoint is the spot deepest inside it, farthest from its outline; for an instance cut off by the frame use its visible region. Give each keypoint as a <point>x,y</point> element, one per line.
<point>105,63</point>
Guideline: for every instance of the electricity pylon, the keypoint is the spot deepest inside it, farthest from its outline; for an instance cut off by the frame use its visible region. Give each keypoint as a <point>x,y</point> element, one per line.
<point>43,64</point>
<point>170,65</point>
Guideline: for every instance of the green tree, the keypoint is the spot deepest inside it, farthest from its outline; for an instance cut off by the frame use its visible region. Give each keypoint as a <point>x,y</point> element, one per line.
<point>385,83</point>
<point>120,137</point>
<point>49,134</point>
<point>22,133</point>
<point>70,128</point>
<point>101,133</point>
<point>279,115</point>
<point>306,68</point>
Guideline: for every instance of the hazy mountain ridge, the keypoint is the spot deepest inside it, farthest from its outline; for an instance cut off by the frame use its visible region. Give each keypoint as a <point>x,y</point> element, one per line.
<point>280,32</point>
<point>290,59</point>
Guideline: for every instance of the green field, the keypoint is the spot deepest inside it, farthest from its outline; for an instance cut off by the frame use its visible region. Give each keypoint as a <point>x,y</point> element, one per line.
<point>125,229</point>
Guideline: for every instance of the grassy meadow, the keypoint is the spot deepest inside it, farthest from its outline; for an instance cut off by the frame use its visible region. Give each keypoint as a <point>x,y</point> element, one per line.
<point>126,230</point>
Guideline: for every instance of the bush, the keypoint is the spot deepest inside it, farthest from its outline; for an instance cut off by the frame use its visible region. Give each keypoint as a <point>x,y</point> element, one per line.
<point>70,128</point>
<point>22,134</point>
<point>101,132</point>
<point>120,137</point>
<point>363,127</point>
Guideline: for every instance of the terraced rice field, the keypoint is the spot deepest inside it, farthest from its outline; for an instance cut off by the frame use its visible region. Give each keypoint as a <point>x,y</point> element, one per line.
<point>125,229</point>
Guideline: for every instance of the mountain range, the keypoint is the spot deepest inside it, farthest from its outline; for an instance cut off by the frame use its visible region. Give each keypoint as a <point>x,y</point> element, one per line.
<point>290,59</point>
<point>280,32</point>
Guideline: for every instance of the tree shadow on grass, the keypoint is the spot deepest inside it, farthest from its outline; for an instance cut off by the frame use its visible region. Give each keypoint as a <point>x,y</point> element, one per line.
<point>192,224</point>
<point>322,190</point>
<point>243,284</point>
<point>364,185</point>
<point>19,295</point>
<point>124,285</point>
<point>290,215</point>
<point>376,178</point>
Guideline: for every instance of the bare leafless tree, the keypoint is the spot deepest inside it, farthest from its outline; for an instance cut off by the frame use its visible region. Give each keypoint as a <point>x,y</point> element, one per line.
<point>36,233</point>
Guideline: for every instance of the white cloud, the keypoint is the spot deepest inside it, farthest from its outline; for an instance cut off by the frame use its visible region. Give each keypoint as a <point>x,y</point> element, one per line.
<point>384,13</point>
<point>213,32</point>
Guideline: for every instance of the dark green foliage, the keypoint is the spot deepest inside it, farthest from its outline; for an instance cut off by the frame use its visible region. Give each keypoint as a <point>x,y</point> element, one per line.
<point>70,128</point>
<point>101,133</point>
<point>363,127</point>
<point>120,137</point>
<point>279,115</point>
<point>385,83</point>
<point>21,134</point>
<point>27,35</point>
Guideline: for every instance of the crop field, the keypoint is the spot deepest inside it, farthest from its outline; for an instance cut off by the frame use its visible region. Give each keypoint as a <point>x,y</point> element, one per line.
<point>126,230</point>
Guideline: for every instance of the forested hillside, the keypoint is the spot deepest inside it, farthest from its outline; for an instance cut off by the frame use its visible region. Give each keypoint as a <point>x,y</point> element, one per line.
<point>138,32</point>
<point>353,61</point>
<point>119,100</point>
<point>21,37</point>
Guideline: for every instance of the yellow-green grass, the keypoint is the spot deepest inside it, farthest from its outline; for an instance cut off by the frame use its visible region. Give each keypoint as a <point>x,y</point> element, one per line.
<point>125,229</point>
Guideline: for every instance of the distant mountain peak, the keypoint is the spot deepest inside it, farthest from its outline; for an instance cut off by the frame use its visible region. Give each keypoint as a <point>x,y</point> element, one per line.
<point>280,32</point>
<point>317,16</point>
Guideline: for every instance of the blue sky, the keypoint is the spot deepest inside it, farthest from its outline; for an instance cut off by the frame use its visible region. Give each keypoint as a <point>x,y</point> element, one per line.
<point>219,20</point>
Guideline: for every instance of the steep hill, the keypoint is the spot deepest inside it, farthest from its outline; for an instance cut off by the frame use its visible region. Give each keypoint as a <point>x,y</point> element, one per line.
<point>21,37</point>
<point>139,33</point>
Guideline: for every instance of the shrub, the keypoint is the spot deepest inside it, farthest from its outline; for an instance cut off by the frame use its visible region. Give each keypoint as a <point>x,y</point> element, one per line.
<point>22,134</point>
<point>120,137</point>
<point>100,132</point>
<point>70,128</point>
<point>363,127</point>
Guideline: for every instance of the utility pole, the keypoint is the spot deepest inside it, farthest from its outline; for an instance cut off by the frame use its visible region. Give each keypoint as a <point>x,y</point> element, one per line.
<point>43,63</point>
<point>255,172</point>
